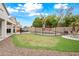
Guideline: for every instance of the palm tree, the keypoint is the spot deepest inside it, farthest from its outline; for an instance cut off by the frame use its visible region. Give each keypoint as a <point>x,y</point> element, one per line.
<point>75,24</point>
<point>43,22</point>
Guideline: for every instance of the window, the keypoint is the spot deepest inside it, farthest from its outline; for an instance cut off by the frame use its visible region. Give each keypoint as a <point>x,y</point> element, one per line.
<point>8,30</point>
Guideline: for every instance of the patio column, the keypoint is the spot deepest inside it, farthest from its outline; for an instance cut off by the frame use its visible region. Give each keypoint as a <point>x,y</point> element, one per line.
<point>0,28</point>
<point>15,29</point>
<point>4,29</point>
<point>12,28</point>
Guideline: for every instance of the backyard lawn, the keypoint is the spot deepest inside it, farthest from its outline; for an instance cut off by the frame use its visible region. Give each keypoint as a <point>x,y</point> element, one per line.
<point>45,42</point>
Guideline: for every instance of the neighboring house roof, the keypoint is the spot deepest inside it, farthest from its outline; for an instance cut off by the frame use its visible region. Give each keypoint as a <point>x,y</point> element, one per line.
<point>13,19</point>
<point>18,24</point>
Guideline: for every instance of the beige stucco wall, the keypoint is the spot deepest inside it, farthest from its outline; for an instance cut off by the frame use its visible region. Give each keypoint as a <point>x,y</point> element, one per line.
<point>4,17</point>
<point>58,29</point>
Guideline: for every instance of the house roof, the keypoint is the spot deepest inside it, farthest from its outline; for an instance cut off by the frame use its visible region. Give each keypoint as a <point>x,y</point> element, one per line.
<point>5,8</point>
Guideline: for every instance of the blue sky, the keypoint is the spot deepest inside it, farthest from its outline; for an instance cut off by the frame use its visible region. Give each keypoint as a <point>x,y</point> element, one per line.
<point>26,12</point>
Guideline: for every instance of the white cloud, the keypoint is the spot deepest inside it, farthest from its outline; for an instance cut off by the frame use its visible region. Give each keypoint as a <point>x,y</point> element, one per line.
<point>29,7</point>
<point>40,1</point>
<point>61,6</point>
<point>20,5</point>
<point>38,14</point>
<point>11,10</point>
<point>34,14</point>
<point>22,11</point>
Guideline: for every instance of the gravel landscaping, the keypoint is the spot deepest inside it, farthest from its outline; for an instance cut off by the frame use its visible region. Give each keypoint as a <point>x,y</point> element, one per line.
<point>72,37</point>
<point>7,48</point>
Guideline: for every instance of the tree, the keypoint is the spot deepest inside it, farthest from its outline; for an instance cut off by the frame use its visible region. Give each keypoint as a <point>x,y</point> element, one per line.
<point>48,21</point>
<point>52,21</point>
<point>37,22</point>
<point>68,18</point>
<point>67,21</point>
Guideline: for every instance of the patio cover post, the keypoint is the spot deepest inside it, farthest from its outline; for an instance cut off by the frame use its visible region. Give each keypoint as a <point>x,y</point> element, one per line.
<point>4,28</point>
<point>12,28</point>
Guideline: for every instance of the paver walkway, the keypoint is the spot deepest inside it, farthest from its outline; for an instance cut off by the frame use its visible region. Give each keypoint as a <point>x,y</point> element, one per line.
<point>7,48</point>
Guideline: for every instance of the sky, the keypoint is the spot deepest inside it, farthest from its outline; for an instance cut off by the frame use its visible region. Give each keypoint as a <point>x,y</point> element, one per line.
<point>26,12</point>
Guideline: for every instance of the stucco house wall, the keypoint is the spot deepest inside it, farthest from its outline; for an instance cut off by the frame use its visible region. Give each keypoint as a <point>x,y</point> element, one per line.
<point>7,23</point>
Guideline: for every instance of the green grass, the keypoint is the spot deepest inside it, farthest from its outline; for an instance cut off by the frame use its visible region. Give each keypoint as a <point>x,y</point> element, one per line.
<point>45,42</point>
